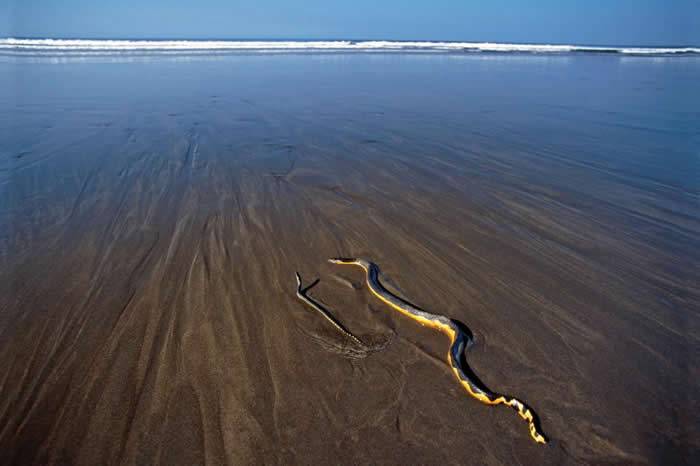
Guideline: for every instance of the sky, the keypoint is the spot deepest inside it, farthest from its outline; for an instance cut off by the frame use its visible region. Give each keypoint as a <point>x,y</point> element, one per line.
<point>591,22</point>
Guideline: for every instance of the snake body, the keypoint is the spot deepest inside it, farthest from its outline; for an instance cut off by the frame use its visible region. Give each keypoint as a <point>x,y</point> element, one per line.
<point>459,340</point>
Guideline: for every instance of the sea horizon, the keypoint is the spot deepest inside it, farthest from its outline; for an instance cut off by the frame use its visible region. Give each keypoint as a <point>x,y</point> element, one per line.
<point>68,44</point>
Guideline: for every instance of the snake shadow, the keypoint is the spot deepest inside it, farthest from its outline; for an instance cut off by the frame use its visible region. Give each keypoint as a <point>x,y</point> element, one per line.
<point>359,349</point>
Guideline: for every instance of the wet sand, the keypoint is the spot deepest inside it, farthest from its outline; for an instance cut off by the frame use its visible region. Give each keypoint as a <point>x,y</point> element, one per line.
<point>148,246</point>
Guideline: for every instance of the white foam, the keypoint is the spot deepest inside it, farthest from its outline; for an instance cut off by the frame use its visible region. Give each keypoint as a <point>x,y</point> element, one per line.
<point>73,45</point>
<point>659,51</point>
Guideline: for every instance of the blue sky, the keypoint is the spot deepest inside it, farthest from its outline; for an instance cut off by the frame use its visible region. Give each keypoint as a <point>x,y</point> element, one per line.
<point>614,22</point>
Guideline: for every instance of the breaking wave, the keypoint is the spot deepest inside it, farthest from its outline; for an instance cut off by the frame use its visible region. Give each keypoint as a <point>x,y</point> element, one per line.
<point>110,46</point>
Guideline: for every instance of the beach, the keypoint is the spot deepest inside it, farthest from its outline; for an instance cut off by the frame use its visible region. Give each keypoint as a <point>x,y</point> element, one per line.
<point>154,210</point>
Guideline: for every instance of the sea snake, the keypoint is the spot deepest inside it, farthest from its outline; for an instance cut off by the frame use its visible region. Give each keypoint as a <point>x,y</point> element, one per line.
<point>459,338</point>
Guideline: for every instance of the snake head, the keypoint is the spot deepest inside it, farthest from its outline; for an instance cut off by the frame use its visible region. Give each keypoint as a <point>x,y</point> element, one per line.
<point>342,260</point>
<point>365,264</point>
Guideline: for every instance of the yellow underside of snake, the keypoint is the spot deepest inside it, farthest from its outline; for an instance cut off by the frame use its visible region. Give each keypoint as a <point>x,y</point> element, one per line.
<point>459,339</point>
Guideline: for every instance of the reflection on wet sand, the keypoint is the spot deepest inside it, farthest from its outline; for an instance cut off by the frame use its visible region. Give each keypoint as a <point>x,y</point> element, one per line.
<point>148,247</point>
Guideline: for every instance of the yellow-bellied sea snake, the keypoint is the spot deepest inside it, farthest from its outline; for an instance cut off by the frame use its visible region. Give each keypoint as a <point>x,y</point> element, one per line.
<point>458,338</point>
